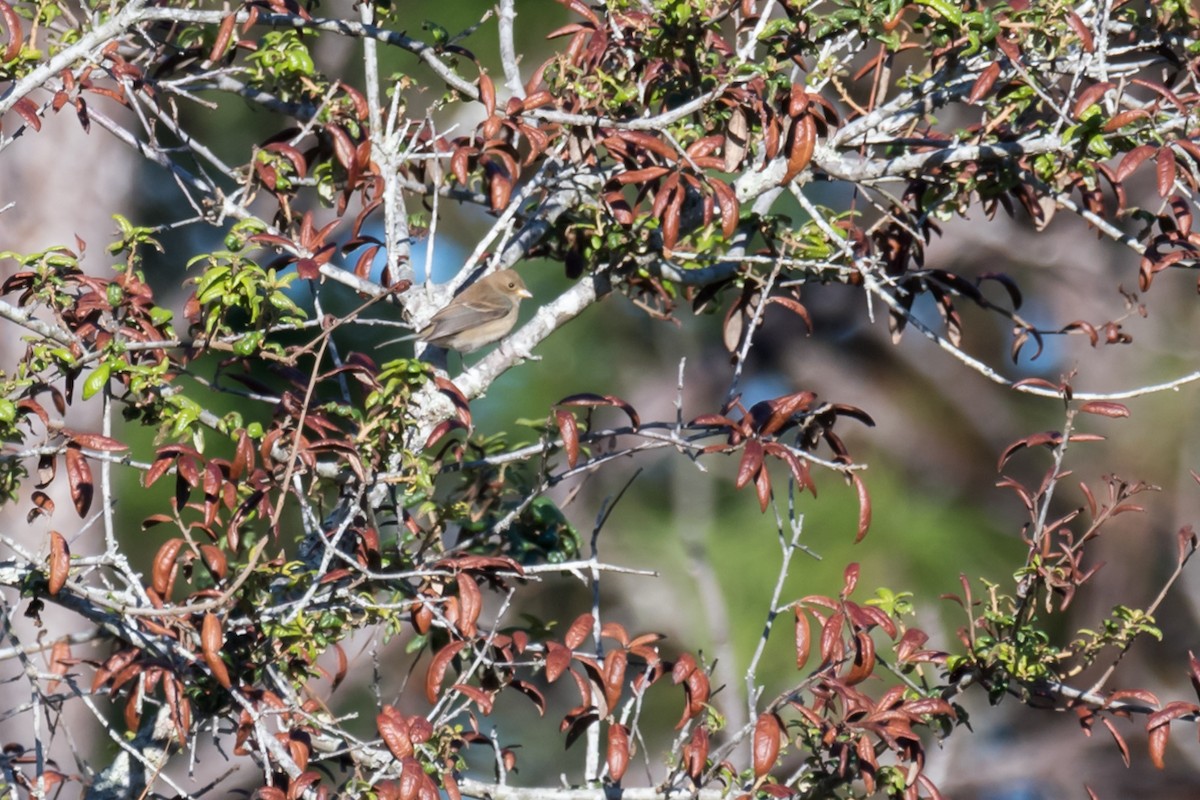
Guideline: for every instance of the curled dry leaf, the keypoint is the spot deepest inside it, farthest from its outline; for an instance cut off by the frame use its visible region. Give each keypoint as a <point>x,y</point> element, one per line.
<point>736,139</point>
<point>470,602</point>
<point>79,477</point>
<point>212,639</point>
<point>569,432</point>
<point>60,659</point>
<point>801,145</point>
<point>60,562</point>
<point>162,574</point>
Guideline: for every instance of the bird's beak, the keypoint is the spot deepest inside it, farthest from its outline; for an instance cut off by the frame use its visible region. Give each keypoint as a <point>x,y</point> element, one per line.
<point>524,293</point>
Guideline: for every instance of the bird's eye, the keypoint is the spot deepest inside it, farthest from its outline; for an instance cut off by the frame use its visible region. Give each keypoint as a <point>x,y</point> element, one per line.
<point>512,285</point>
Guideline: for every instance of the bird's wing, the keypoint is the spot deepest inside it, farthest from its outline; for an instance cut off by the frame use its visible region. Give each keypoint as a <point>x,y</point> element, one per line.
<point>460,316</point>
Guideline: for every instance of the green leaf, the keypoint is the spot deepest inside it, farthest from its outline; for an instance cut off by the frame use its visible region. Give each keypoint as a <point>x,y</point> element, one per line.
<point>97,380</point>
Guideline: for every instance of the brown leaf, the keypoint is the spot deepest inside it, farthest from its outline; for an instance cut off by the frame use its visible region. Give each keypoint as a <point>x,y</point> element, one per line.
<point>1118,121</point>
<point>1134,159</point>
<point>616,631</point>
<point>343,145</point>
<point>832,647</point>
<point>728,203</point>
<point>614,676</point>
<point>16,35</point>
<point>59,563</point>
<point>1122,745</point>
<point>767,732</point>
<point>751,463</point>
<point>79,477</point>
<point>864,507</point>
<point>162,573</point>
<point>849,580</point>
<point>558,658</point>
<point>28,111</point>
<point>1090,96</point>
<point>803,637</point>
<point>487,93</point>
<point>470,602</point>
<point>618,751</point>
<point>695,753</point>
<point>864,660</point>
<point>437,669</point>
<point>212,639</point>
<point>801,144</point>
<point>1105,409</point>
<point>1085,36</point>
<point>569,432</point>
<point>984,83</point>
<point>214,559</point>
<point>698,690</point>
<point>590,400</point>
<point>762,486</point>
<point>478,696</point>
<point>796,308</point>
<point>1165,171</point>
<point>737,133</point>
<point>224,34</point>
<point>579,631</point>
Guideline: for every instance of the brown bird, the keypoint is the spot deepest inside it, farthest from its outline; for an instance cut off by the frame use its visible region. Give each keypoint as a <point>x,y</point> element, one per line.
<point>482,313</point>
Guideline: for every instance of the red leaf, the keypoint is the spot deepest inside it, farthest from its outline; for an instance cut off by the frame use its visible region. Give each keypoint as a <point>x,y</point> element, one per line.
<point>984,83</point>
<point>767,732</point>
<point>487,93</point>
<point>1090,96</point>
<point>803,637</point>
<point>16,36</point>
<point>796,308</point>
<point>695,753</point>
<point>579,631</point>
<point>1119,739</point>
<point>1105,409</point>
<point>1133,159</point>
<point>483,699</point>
<point>558,658</point>
<point>1085,40</point>
<point>437,669</point>
<point>864,507</point>
<point>618,751</point>
<point>750,464</point>
<point>1165,172</point>
<point>849,580</point>
<point>28,111</point>
<point>394,731</point>
<point>762,485</point>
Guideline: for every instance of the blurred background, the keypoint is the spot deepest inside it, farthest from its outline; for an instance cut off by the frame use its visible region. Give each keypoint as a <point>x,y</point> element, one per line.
<point>932,456</point>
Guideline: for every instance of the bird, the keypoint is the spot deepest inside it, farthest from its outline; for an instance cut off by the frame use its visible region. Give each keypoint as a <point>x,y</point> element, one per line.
<point>482,313</point>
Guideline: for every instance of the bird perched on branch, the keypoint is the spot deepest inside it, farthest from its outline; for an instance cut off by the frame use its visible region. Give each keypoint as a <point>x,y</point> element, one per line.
<point>482,313</point>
